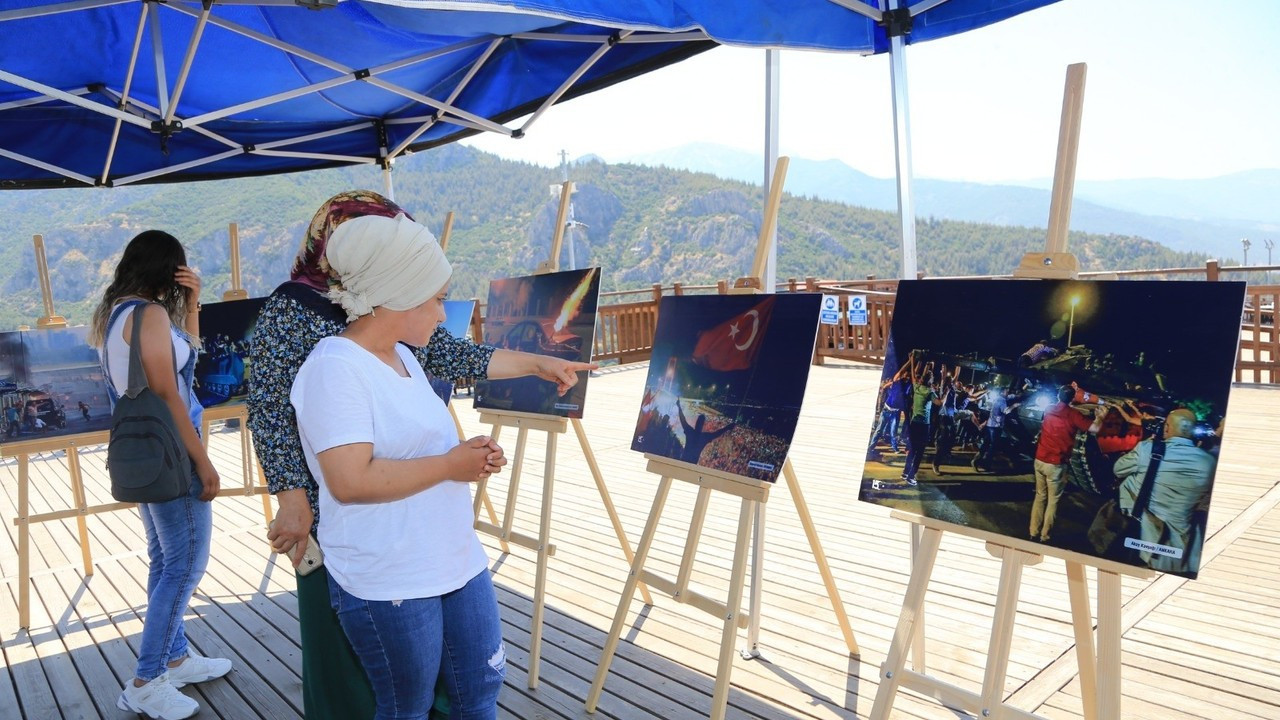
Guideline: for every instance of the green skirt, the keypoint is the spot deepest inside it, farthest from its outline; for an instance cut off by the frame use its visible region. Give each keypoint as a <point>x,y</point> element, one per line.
<point>334,684</point>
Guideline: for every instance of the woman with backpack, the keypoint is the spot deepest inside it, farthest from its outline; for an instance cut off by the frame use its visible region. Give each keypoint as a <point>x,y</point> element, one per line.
<point>153,286</point>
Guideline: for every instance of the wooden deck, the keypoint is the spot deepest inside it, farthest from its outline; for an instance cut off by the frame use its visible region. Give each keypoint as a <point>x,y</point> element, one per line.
<point>1203,649</point>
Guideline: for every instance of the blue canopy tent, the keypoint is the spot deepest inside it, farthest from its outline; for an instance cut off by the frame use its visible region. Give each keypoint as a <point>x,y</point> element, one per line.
<point>120,92</point>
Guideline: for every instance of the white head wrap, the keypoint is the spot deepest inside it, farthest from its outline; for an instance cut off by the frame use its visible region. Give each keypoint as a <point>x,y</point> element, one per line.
<point>392,263</point>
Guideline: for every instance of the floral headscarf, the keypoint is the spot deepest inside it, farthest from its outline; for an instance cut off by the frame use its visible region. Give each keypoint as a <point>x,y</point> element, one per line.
<point>310,267</point>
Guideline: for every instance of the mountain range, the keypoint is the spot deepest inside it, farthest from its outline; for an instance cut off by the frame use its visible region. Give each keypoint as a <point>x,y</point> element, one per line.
<point>1204,215</point>
<point>641,224</point>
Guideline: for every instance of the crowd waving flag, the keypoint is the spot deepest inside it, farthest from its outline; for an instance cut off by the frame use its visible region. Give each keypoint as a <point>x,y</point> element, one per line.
<point>734,343</point>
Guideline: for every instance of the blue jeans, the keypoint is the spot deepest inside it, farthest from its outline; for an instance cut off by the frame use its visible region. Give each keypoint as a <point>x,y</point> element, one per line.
<point>178,534</point>
<point>888,428</point>
<point>404,645</point>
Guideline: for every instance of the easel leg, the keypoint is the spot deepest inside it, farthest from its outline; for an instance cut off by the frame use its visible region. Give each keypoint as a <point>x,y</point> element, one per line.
<point>1001,632</point>
<point>77,494</point>
<point>806,521</point>
<point>628,592</point>
<point>1108,644</point>
<point>267,513</point>
<point>1082,623</point>
<point>517,464</point>
<point>917,637</point>
<point>912,607</point>
<point>720,698</point>
<point>754,603</point>
<point>24,544</point>
<point>544,545</point>
<point>608,502</point>
<point>691,541</point>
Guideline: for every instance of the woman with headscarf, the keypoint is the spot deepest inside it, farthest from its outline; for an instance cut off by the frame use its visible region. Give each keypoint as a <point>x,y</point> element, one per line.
<point>407,574</point>
<point>296,317</point>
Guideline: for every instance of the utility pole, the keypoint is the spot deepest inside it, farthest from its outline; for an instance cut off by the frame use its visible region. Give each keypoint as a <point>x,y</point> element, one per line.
<point>1244,243</point>
<point>1270,244</point>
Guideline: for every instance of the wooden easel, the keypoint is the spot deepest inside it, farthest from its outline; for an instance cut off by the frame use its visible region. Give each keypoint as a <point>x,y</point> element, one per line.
<point>483,497</point>
<point>1100,669</point>
<point>71,444</point>
<point>553,426</point>
<point>237,292</point>
<point>754,494</point>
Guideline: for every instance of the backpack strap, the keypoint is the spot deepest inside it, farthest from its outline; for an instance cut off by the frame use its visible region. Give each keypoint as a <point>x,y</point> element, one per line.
<point>137,375</point>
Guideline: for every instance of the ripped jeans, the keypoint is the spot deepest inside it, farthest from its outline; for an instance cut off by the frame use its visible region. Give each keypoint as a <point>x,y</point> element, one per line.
<point>405,645</point>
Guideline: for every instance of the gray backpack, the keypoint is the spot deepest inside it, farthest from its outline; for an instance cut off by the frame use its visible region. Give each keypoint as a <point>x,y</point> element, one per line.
<point>146,458</point>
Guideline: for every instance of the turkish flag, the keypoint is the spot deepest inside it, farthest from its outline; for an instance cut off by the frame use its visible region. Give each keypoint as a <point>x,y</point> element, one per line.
<point>734,343</point>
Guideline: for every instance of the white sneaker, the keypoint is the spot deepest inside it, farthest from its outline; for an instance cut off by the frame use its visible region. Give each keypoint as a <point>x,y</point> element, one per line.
<point>158,700</point>
<point>197,669</point>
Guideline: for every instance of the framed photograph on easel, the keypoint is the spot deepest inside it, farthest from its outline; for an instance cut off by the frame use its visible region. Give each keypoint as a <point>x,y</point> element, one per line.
<point>1031,409</point>
<point>550,314</point>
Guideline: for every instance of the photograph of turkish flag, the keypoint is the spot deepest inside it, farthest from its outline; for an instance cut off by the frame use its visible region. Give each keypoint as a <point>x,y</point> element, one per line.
<point>733,344</point>
<point>726,380</point>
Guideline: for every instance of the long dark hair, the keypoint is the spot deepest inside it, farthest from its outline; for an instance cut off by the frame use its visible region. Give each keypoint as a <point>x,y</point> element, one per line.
<point>145,270</point>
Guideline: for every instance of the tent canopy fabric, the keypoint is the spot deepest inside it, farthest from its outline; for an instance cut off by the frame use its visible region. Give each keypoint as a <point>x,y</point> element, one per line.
<point>119,92</point>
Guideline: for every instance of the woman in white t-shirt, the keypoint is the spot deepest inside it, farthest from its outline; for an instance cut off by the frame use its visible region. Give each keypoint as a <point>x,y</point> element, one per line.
<point>408,577</point>
<point>154,286</point>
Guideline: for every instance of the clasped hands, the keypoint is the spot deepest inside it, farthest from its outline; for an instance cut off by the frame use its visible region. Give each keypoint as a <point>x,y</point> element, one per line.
<point>477,459</point>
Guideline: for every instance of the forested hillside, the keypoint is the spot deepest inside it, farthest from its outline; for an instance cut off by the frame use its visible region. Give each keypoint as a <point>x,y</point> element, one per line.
<point>644,225</point>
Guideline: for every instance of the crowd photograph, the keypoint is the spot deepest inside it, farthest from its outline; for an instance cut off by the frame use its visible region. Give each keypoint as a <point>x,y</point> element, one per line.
<point>1086,416</point>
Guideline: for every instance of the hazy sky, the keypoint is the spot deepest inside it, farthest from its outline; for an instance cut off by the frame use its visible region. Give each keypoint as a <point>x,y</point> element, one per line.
<point>1175,88</point>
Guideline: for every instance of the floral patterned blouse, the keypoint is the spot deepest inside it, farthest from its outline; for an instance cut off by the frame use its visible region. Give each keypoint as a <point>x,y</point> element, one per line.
<point>292,321</point>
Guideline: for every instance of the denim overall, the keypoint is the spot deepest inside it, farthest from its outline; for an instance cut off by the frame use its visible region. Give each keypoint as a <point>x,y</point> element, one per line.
<point>178,536</point>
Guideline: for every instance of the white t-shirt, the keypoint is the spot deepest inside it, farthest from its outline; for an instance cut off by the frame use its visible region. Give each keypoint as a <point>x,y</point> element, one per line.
<point>421,546</point>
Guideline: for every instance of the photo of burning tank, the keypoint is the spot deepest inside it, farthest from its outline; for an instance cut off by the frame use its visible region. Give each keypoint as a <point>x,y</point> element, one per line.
<point>51,384</point>
<point>726,380</point>
<point>1033,409</point>
<point>457,321</point>
<point>222,368</point>
<point>552,314</point>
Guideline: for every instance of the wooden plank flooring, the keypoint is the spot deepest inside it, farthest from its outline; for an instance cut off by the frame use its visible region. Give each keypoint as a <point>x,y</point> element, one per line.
<point>1203,649</point>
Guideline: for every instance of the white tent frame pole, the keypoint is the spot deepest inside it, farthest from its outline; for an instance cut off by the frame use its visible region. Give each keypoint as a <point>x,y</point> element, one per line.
<point>124,94</point>
<point>769,283</point>
<point>156,112</point>
<point>902,149</point>
<point>483,122</point>
<point>388,187</point>
<point>925,6</point>
<point>37,100</point>
<point>46,166</point>
<point>772,104</point>
<point>314,156</point>
<point>356,127</point>
<point>157,53</point>
<point>371,79</point>
<point>657,37</point>
<point>453,96</point>
<point>347,76</point>
<point>187,60</point>
<point>569,82</point>
<point>269,100</point>
<point>862,9</point>
<point>178,168</point>
<point>274,144</point>
<point>41,11</point>
<point>56,94</point>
